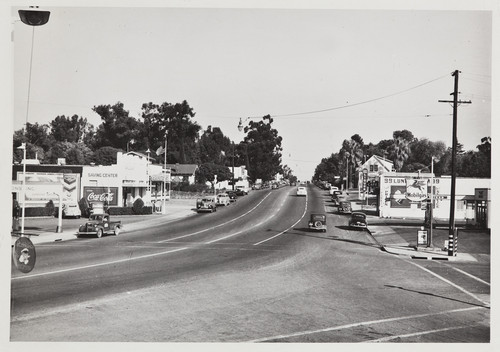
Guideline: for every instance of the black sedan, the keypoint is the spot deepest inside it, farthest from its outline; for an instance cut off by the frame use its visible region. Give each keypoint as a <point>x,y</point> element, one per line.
<point>358,220</point>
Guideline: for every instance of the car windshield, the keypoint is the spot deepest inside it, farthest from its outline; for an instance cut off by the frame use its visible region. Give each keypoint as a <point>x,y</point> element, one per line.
<point>318,217</point>
<point>359,216</point>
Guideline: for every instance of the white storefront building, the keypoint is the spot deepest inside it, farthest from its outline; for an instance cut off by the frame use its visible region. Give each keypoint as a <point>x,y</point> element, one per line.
<point>123,183</point>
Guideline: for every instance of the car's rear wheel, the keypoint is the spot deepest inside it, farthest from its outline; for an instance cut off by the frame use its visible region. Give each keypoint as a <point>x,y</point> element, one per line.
<point>99,233</point>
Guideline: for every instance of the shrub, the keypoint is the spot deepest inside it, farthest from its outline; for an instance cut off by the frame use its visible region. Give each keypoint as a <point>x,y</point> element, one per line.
<point>50,207</point>
<point>138,205</point>
<point>84,207</point>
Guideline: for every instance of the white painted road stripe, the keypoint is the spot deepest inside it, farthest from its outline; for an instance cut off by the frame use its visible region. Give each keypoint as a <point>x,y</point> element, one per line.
<point>279,234</point>
<point>214,227</point>
<point>448,282</point>
<point>469,275</point>
<point>389,338</point>
<point>354,325</point>
<point>100,264</point>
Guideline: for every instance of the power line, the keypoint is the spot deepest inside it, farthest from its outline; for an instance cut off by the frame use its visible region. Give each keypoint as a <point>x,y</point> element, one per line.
<point>363,102</point>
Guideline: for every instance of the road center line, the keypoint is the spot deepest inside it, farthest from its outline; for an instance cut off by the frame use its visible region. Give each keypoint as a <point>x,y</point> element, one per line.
<point>214,227</point>
<point>288,229</point>
<point>100,264</point>
<point>354,325</point>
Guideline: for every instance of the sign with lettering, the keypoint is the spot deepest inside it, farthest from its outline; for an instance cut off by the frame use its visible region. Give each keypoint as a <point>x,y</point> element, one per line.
<point>101,194</point>
<point>416,189</point>
<point>24,255</point>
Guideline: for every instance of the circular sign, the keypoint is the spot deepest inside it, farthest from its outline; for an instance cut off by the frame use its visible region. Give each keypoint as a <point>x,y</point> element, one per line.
<point>24,255</point>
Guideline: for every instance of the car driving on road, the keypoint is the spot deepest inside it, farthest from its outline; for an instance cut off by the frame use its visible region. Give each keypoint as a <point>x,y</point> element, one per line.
<point>317,222</point>
<point>344,207</point>
<point>358,220</point>
<point>206,204</point>
<point>223,199</point>
<point>301,191</point>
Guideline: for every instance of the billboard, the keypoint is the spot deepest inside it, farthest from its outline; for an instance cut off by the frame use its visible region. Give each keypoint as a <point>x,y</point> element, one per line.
<point>101,194</point>
<point>70,183</point>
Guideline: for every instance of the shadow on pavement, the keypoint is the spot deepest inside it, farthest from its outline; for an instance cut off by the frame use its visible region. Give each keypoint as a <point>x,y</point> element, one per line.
<point>434,295</point>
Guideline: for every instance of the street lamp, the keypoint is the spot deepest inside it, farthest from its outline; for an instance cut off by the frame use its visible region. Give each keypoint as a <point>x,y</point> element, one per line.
<point>31,17</point>
<point>23,189</point>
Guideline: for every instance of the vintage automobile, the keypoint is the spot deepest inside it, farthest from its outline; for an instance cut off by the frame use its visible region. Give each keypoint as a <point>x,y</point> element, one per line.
<point>206,204</point>
<point>241,190</point>
<point>223,199</point>
<point>332,189</point>
<point>71,210</point>
<point>232,196</point>
<point>358,220</point>
<point>317,222</point>
<point>335,197</point>
<point>99,224</point>
<point>301,191</point>
<point>344,207</point>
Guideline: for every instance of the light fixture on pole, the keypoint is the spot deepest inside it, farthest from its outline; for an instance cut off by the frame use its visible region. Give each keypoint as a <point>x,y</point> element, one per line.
<point>147,172</point>
<point>32,17</point>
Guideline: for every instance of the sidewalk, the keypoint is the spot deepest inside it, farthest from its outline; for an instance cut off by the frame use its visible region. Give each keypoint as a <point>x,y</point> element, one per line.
<point>399,237</point>
<point>43,230</point>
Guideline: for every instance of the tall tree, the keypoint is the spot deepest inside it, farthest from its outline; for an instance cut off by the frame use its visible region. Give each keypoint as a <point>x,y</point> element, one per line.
<point>208,171</point>
<point>352,151</point>
<point>173,122</point>
<point>214,147</point>
<point>70,129</point>
<point>400,150</point>
<point>263,149</point>
<point>117,127</point>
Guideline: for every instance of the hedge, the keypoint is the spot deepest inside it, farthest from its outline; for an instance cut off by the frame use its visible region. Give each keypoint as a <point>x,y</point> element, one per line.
<point>130,211</point>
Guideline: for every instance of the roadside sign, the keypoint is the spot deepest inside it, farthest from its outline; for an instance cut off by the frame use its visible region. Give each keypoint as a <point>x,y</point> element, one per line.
<point>24,255</point>
<point>422,238</point>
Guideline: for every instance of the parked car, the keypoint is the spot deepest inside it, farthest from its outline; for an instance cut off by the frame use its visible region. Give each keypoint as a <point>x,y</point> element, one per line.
<point>241,190</point>
<point>317,222</point>
<point>333,189</point>
<point>99,224</point>
<point>301,191</point>
<point>335,197</point>
<point>232,196</point>
<point>358,220</point>
<point>223,199</point>
<point>344,207</point>
<point>206,204</point>
<point>71,210</point>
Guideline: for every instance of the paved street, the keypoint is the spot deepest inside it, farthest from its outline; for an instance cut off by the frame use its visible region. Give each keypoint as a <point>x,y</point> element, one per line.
<point>251,272</point>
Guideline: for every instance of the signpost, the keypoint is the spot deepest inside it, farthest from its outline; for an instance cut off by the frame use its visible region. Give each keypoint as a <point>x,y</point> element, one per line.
<point>24,255</point>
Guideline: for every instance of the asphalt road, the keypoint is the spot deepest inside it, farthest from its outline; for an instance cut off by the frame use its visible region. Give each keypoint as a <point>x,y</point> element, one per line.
<point>251,272</point>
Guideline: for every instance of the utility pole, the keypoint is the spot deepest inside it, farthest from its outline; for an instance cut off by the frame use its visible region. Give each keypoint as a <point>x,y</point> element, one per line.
<point>451,235</point>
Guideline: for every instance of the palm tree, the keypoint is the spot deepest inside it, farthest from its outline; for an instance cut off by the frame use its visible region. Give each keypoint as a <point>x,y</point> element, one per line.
<point>352,150</point>
<point>400,152</point>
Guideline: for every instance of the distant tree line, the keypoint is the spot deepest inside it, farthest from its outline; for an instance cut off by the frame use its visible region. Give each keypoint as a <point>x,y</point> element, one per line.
<point>80,143</point>
<point>408,153</point>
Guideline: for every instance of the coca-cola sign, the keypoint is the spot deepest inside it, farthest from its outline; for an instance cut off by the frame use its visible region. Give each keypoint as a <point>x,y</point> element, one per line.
<point>101,195</point>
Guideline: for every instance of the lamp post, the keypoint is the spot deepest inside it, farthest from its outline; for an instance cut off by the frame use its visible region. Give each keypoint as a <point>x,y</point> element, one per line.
<point>31,17</point>
<point>23,188</point>
<point>147,173</point>
<point>164,204</point>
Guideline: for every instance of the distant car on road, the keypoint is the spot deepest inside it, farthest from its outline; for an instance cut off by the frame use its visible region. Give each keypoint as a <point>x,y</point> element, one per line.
<point>206,204</point>
<point>301,191</point>
<point>358,220</point>
<point>344,207</point>
<point>335,197</point>
<point>241,190</point>
<point>223,199</point>
<point>232,196</point>
<point>333,189</point>
<point>317,222</point>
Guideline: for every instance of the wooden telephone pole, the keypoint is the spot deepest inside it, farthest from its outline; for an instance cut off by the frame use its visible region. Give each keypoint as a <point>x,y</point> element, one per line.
<point>451,235</point>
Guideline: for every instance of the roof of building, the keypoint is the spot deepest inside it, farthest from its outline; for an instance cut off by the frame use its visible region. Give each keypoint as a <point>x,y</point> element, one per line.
<point>387,164</point>
<point>182,169</point>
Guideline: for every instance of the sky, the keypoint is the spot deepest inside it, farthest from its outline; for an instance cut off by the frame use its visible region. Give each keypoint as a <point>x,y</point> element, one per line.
<point>324,74</point>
